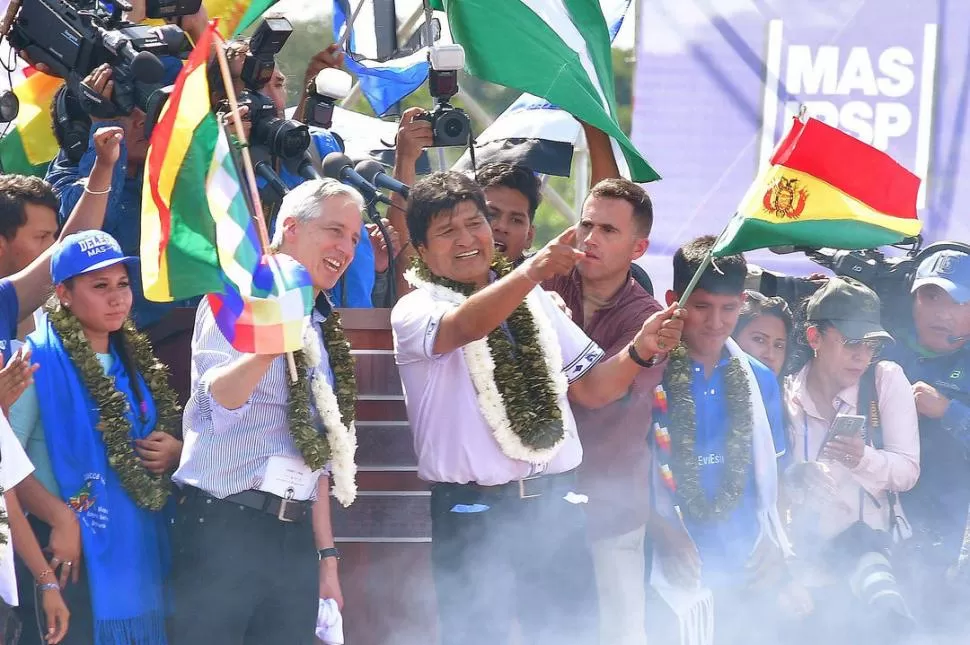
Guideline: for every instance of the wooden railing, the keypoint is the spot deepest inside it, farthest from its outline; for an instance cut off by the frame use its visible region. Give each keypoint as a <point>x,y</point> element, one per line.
<point>385,536</point>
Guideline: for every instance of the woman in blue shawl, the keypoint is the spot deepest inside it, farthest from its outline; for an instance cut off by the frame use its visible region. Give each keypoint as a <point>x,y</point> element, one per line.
<point>104,437</point>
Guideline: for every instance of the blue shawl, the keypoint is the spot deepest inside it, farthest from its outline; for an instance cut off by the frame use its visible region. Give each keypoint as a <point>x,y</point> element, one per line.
<point>126,549</point>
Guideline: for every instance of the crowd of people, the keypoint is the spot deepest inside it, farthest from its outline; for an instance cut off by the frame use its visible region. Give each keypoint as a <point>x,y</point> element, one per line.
<point>719,467</point>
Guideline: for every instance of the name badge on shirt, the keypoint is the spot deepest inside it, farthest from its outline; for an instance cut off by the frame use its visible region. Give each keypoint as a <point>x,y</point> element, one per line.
<point>288,477</point>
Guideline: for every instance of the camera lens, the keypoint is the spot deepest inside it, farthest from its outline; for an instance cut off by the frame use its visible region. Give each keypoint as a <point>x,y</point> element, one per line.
<point>453,127</point>
<point>287,139</point>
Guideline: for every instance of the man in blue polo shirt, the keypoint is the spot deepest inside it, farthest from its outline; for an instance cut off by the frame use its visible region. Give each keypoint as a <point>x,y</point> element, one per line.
<point>718,433</point>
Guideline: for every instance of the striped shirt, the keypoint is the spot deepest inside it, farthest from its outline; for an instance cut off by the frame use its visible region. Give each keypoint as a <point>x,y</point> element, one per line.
<point>226,451</point>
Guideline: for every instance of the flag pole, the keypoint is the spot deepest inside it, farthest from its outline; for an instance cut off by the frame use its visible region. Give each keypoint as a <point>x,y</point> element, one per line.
<point>247,164</point>
<point>682,298</point>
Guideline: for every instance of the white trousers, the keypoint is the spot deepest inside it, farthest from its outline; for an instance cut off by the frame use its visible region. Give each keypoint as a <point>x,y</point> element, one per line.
<point>619,565</point>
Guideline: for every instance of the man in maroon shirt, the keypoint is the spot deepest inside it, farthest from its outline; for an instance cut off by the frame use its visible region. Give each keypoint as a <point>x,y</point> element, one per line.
<point>609,305</point>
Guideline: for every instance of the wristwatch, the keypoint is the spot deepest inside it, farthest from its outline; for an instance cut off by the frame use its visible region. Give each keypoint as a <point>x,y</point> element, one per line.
<point>329,552</point>
<point>656,358</point>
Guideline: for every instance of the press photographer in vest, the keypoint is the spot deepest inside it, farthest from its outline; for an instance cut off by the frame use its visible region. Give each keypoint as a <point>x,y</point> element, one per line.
<point>489,365</point>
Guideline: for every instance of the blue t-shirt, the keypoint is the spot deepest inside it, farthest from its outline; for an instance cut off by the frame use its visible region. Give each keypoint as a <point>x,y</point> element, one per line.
<point>726,544</point>
<point>9,315</point>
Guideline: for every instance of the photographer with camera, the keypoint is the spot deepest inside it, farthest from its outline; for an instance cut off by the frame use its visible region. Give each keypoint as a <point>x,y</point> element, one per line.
<point>853,422</point>
<point>260,87</point>
<point>933,351</point>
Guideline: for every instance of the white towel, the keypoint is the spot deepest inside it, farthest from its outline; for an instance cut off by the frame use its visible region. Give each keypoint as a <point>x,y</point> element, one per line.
<point>695,607</point>
<point>330,624</point>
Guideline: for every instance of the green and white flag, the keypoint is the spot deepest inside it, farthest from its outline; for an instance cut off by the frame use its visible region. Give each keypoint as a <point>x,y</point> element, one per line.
<point>556,49</point>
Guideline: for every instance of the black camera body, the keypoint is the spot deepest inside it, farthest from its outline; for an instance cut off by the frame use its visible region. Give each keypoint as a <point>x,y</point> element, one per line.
<point>171,8</point>
<point>284,138</point>
<point>450,126</point>
<point>72,43</point>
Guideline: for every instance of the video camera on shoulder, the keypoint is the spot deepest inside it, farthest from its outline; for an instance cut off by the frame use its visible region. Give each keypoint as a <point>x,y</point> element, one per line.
<point>450,125</point>
<point>74,38</point>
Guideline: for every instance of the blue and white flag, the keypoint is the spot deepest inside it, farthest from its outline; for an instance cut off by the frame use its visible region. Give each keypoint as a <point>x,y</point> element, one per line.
<point>536,134</point>
<point>382,82</point>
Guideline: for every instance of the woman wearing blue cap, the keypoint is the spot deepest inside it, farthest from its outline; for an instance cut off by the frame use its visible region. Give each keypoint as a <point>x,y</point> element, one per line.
<point>101,426</point>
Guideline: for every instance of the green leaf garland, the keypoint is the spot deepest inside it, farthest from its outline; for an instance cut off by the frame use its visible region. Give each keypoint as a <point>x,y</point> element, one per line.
<point>521,373</point>
<point>313,445</point>
<point>148,491</point>
<point>682,423</point>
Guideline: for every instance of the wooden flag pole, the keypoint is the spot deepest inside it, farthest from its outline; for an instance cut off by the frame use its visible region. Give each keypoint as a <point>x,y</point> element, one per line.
<point>247,162</point>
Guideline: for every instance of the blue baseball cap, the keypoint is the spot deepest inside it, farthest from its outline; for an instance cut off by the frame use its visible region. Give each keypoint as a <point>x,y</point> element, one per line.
<point>85,252</point>
<point>948,269</point>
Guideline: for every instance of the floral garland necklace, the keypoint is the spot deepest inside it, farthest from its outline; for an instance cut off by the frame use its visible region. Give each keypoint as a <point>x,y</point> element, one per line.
<point>682,421</point>
<point>335,405</point>
<point>147,490</point>
<point>516,370</point>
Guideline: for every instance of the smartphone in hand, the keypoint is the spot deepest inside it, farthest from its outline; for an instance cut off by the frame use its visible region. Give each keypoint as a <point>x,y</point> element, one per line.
<point>844,425</point>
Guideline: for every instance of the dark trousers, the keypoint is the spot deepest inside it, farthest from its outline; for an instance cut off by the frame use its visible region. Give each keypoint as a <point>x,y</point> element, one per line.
<point>171,339</point>
<point>525,559</point>
<point>241,576</point>
<point>77,597</point>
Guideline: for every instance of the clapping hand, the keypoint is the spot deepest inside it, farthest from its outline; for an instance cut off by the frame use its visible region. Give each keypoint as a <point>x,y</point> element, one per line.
<point>15,377</point>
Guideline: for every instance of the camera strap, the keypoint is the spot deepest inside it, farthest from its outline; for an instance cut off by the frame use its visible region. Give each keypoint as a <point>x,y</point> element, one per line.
<point>868,404</point>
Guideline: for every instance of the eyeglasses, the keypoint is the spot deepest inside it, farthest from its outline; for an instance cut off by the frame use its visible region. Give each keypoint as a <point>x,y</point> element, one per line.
<point>870,345</point>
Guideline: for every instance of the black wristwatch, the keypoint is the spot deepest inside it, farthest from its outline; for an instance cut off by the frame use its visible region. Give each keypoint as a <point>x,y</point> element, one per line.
<point>656,358</point>
<point>329,552</point>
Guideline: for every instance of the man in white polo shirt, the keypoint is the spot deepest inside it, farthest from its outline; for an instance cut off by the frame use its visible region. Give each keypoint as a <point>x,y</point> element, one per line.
<point>488,364</point>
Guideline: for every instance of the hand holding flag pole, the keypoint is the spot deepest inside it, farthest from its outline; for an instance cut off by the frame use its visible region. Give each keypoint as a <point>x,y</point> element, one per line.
<point>247,163</point>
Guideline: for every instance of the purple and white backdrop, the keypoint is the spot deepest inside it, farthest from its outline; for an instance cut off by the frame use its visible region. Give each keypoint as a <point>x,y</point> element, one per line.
<point>717,82</point>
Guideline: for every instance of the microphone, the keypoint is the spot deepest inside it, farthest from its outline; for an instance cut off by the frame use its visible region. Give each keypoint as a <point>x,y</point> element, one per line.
<point>373,172</point>
<point>339,166</point>
<point>264,170</point>
<point>303,166</point>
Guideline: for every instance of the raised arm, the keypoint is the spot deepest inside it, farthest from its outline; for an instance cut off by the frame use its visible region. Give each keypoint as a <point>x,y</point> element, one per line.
<point>611,379</point>
<point>601,158</point>
<point>413,136</point>
<point>33,283</point>
<point>488,308</point>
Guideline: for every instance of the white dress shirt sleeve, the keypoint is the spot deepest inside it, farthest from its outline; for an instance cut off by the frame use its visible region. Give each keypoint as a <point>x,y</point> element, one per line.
<point>415,321</point>
<point>579,352</point>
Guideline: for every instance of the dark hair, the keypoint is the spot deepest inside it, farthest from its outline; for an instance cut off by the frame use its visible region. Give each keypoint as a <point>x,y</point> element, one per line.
<point>118,340</point>
<point>757,305</point>
<point>633,194</point>
<point>439,193</point>
<point>512,176</point>
<point>725,275</point>
<point>16,191</point>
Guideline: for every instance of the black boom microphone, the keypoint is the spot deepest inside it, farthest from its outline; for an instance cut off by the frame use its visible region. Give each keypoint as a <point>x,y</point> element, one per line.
<point>374,172</point>
<point>337,165</point>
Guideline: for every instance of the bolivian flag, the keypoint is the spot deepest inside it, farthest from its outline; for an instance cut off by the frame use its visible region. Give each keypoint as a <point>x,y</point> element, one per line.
<point>30,144</point>
<point>825,188</point>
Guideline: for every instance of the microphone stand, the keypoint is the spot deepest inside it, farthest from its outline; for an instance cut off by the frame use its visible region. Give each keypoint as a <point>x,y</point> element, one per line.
<point>390,296</point>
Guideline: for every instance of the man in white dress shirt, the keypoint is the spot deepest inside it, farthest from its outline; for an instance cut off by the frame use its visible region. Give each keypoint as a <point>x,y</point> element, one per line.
<point>254,519</point>
<point>487,362</point>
